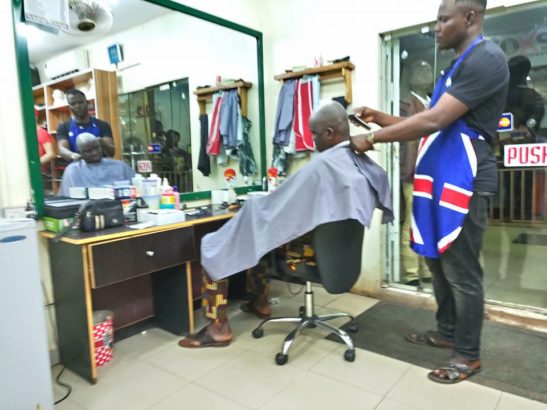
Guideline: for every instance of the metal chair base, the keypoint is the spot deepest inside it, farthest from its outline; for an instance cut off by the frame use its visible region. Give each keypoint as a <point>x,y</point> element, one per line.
<point>308,319</point>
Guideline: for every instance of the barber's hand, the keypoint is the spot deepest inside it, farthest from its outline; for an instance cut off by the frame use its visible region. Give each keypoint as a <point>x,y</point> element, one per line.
<point>107,146</point>
<point>367,114</point>
<point>359,144</point>
<point>75,156</point>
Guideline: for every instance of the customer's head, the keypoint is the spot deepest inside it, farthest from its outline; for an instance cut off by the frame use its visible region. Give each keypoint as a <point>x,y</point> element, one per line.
<point>77,102</point>
<point>90,147</point>
<point>458,21</point>
<point>329,126</point>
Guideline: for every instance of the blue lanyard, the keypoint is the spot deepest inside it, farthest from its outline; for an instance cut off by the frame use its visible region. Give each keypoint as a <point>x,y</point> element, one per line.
<point>444,82</point>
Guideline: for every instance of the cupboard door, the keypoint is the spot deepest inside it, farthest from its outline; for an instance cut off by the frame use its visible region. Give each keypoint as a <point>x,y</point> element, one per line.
<point>118,260</point>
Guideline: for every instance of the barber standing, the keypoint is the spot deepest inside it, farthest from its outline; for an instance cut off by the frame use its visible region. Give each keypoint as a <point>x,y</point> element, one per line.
<point>81,121</point>
<point>455,174</point>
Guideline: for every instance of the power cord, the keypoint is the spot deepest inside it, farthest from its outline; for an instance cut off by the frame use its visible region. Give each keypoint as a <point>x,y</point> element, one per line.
<point>60,383</point>
<point>48,304</point>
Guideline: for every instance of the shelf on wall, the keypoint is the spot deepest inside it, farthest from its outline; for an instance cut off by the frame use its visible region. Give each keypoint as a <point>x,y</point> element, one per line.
<point>205,94</point>
<point>325,72</point>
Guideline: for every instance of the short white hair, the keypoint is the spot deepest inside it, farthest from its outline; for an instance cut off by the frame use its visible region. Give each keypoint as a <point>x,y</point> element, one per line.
<point>86,138</point>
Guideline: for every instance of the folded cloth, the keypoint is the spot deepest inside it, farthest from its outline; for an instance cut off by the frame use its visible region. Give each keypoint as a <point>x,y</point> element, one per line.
<point>335,185</point>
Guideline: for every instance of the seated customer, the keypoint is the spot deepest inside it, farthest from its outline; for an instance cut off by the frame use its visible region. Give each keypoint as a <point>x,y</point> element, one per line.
<point>335,185</point>
<point>92,170</point>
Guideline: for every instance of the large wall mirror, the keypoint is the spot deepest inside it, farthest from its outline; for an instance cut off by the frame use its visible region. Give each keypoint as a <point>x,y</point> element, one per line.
<point>175,62</point>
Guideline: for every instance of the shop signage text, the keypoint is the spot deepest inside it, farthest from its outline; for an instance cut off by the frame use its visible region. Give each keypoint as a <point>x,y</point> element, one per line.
<point>525,155</point>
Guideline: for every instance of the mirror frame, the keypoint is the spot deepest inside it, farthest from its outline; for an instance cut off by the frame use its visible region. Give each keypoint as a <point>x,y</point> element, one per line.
<point>27,103</point>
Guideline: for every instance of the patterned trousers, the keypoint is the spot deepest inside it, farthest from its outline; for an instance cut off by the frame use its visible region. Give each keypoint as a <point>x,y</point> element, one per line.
<point>215,293</point>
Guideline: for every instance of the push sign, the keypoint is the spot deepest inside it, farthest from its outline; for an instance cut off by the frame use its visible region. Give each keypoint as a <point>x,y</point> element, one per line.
<point>153,148</point>
<point>525,155</point>
<point>506,122</point>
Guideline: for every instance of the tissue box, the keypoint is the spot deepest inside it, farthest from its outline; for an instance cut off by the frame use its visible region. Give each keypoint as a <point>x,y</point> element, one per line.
<point>219,196</point>
<point>77,192</point>
<point>57,225</point>
<point>101,192</point>
<point>163,216</point>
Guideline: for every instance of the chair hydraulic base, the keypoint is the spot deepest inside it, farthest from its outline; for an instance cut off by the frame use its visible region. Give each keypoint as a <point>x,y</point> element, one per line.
<point>308,319</point>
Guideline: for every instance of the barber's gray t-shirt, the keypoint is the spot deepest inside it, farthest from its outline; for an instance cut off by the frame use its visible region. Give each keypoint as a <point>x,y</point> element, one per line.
<point>481,84</point>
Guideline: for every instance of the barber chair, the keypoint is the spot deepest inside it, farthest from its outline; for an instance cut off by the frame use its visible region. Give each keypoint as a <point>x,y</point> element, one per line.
<point>335,262</point>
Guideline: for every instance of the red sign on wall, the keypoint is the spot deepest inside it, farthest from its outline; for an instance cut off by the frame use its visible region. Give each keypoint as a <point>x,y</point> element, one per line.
<point>525,155</point>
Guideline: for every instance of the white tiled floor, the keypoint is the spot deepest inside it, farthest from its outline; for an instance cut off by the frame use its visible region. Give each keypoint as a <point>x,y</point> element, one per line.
<point>150,371</point>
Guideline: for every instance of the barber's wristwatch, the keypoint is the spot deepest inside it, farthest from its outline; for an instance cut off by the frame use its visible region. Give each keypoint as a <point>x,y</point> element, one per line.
<point>370,138</point>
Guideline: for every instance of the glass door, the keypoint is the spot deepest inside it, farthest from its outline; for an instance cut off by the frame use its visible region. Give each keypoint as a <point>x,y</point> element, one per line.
<point>410,64</point>
<point>155,126</point>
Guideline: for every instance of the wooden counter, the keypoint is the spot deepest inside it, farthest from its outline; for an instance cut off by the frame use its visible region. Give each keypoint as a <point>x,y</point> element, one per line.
<point>140,275</point>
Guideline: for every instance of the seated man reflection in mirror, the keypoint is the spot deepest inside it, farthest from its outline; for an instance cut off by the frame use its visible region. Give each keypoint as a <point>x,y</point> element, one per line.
<point>81,121</point>
<point>92,170</point>
<point>335,185</point>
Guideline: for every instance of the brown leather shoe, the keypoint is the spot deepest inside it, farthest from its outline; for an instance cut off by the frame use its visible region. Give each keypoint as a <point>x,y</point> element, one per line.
<point>202,339</point>
<point>250,307</point>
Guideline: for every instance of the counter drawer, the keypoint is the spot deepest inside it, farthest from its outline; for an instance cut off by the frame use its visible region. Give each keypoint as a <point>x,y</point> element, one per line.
<point>122,259</point>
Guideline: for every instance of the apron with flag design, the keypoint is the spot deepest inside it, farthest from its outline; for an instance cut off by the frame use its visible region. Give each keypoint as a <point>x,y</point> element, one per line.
<point>443,182</point>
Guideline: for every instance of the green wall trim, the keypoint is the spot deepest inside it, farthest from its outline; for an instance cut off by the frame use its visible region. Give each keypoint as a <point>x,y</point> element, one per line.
<point>261,103</point>
<point>194,196</point>
<point>27,109</point>
<point>206,16</point>
<point>202,195</point>
<point>27,102</point>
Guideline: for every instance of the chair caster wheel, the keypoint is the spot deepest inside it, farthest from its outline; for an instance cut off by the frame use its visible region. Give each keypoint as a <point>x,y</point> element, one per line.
<point>281,359</point>
<point>353,328</point>
<point>349,355</point>
<point>258,333</point>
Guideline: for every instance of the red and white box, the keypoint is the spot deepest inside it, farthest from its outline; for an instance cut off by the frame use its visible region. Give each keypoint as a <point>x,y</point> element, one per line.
<point>103,338</point>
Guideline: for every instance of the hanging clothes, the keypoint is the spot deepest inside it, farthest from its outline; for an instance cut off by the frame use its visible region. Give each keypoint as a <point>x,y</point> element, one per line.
<point>204,163</point>
<point>280,160</point>
<point>213,142</point>
<point>247,163</point>
<point>305,99</point>
<point>285,113</point>
<point>229,119</point>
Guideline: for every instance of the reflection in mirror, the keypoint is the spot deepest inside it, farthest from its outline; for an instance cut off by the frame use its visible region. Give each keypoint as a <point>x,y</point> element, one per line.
<point>167,60</point>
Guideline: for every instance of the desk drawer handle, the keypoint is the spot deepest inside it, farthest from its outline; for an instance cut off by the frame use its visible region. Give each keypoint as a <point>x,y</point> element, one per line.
<point>150,253</point>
